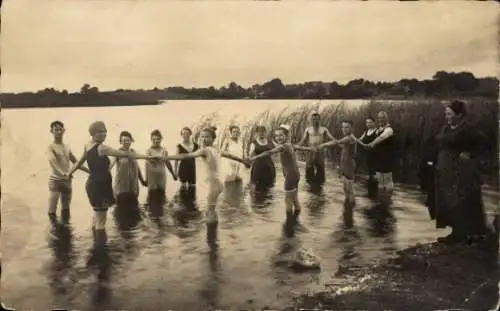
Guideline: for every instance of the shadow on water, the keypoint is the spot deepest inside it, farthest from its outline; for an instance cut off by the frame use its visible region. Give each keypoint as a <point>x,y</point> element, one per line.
<point>63,261</point>
<point>381,221</point>
<point>210,288</point>
<point>261,198</point>
<point>316,203</point>
<point>185,206</point>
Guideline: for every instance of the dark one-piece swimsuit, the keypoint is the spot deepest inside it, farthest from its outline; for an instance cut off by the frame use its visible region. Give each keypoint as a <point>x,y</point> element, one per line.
<point>99,184</point>
<point>187,167</point>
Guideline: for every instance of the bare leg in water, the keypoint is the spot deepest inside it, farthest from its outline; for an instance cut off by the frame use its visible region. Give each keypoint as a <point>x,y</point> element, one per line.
<point>211,217</point>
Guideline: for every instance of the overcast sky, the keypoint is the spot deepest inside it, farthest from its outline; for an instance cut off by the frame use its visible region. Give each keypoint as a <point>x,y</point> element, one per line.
<point>143,44</point>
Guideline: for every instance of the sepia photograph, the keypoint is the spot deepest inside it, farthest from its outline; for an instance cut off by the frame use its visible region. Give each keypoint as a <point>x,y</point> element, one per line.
<point>249,155</point>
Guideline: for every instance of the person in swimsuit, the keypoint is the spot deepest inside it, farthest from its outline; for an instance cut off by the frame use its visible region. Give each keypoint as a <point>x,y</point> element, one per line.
<point>128,174</point>
<point>60,156</point>
<point>233,146</point>
<point>383,146</point>
<point>186,169</point>
<point>313,136</point>
<point>99,185</point>
<point>367,137</point>
<point>263,172</point>
<point>347,160</point>
<point>290,170</point>
<point>156,174</point>
<point>211,156</point>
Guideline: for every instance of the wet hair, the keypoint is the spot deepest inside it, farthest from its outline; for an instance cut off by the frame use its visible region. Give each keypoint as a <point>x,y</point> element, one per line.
<point>126,134</point>
<point>186,129</point>
<point>284,129</point>
<point>211,130</point>
<point>259,128</point>
<point>458,107</point>
<point>56,123</point>
<point>96,127</point>
<point>370,118</point>
<point>156,133</point>
<point>232,127</point>
<point>348,122</point>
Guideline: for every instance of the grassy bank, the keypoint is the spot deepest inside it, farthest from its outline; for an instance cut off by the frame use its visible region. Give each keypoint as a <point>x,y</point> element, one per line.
<point>424,277</point>
<point>415,124</point>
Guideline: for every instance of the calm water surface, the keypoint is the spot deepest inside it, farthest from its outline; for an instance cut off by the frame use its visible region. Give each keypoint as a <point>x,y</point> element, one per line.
<point>158,264</point>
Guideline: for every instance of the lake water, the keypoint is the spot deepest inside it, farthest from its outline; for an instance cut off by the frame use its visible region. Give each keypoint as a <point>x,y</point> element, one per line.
<point>160,265</point>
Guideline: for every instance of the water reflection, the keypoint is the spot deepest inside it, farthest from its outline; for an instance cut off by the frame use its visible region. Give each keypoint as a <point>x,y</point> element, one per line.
<point>210,289</point>
<point>347,237</point>
<point>316,204</point>
<point>100,291</point>
<point>261,198</point>
<point>185,206</point>
<point>233,207</point>
<point>381,221</point>
<point>63,261</point>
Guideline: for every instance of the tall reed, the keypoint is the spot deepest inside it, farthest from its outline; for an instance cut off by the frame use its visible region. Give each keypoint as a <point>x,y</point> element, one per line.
<point>415,124</point>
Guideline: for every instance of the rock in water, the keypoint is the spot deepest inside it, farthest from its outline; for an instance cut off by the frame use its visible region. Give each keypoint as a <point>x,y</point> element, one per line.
<point>304,258</point>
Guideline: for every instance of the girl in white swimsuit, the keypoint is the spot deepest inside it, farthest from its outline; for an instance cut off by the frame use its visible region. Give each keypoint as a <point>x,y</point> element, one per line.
<point>211,157</point>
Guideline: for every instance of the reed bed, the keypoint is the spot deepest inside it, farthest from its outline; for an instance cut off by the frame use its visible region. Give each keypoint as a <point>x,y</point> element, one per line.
<point>415,124</point>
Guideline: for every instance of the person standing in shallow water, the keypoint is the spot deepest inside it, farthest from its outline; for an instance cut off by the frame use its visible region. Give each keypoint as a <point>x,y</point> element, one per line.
<point>347,160</point>
<point>313,136</point>
<point>458,197</point>
<point>384,152</point>
<point>156,174</point>
<point>128,174</point>
<point>186,169</point>
<point>263,172</point>
<point>290,171</point>
<point>60,158</point>
<point>234,147</point>
<point>366,138</point>
<point>99,186</point>
<point>211,156</point>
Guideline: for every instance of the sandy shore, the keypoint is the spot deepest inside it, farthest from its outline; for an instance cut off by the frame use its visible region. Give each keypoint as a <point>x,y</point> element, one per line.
<point>423,277</point>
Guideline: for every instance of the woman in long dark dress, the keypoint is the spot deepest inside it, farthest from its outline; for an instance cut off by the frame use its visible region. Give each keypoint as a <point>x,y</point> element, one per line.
<point>458,197</point>
<point>263,172</point>
<point>186,169</point>
<point>367,137</point>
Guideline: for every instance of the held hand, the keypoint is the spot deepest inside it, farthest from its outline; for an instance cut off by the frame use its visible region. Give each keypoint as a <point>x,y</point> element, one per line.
<point>143,183</point>
<point>247,163</point>
<point>175,177</point>
<point>464,156</point>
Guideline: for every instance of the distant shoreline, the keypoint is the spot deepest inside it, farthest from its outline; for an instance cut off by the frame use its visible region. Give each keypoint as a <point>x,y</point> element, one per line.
<point>443,85</point>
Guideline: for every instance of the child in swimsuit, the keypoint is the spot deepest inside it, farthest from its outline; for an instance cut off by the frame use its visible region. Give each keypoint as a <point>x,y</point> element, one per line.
<point>60,156</point>
<point>290,170</point>
<point>156,174</point>
<point>99,185</point>
<point>128,174</point>
<point>211,157</point>
<point>347,159</point>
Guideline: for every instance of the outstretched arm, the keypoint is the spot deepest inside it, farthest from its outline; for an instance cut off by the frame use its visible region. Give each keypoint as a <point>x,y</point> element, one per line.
<point>303,148</point>
<point>78,163</point>
<point>328,134</point>
<point>198,153</point>
<point>73,160</point>
<point>277,149</point>
<point>386,133</point>
<point>111,152</point>
<point>229,156</point>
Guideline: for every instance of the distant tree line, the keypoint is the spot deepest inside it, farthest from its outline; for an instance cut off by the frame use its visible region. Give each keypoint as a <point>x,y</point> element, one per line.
<point>442,85</point>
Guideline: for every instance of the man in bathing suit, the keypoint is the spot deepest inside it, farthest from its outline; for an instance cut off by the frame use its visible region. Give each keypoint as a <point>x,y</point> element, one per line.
<point>313,136</point>
<point>60,157</point>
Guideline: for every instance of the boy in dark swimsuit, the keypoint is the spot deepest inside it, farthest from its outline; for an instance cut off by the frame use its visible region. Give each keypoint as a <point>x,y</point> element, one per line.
<point>290,170</point>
